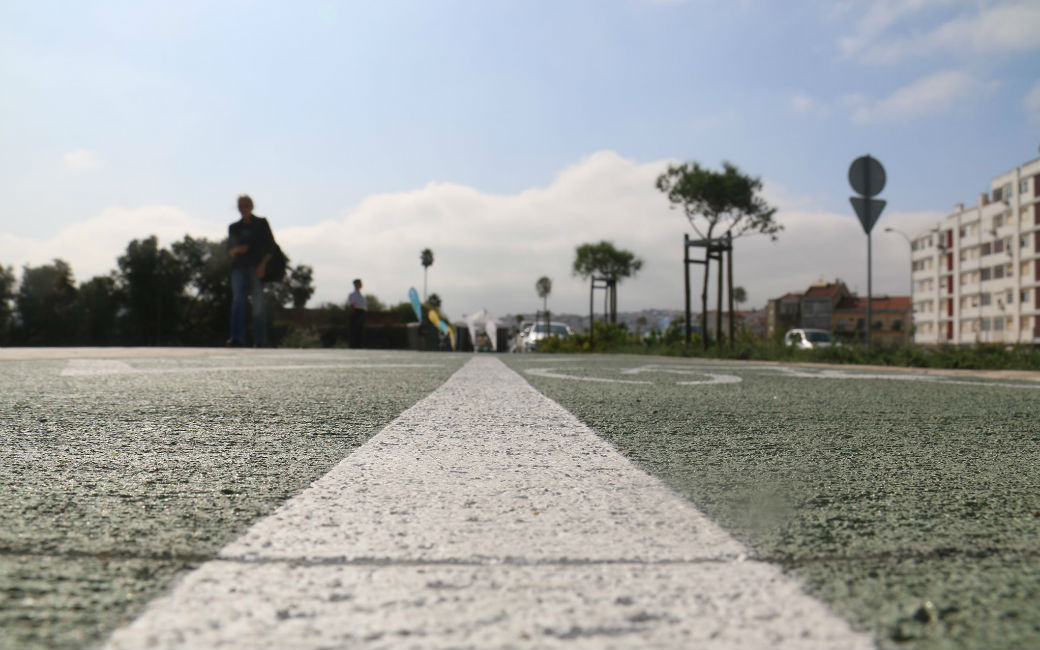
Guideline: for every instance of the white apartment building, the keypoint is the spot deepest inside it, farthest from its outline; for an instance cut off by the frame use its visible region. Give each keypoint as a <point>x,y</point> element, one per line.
<point>976,273</point>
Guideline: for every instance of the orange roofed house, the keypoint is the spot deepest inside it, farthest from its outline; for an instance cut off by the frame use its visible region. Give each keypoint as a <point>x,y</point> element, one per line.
<point>811,310</point>
<point>891,316</point>
<point>830,306</point>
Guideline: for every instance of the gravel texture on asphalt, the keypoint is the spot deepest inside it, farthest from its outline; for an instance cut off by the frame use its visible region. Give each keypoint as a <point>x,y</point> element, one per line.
<point>486,516</point>
<point>122,469</point>
<point>910,504</point>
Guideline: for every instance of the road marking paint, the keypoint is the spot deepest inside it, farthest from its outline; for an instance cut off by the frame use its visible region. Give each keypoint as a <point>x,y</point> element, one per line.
<point>715,378</point>
<point>91,367</point>
<point>94,367</point>
<point>787,371</point>
<point>486,516</point>
<point>549,372</point>
<point>843,374</point>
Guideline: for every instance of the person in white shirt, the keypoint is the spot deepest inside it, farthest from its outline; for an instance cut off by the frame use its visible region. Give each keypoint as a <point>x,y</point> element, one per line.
<point>358,305</point>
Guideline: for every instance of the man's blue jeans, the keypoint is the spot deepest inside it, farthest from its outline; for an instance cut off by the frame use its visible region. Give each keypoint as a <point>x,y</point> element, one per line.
<point>244,283</point>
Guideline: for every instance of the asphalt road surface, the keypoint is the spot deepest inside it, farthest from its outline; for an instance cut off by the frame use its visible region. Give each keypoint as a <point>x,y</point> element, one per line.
<point>212,498</point>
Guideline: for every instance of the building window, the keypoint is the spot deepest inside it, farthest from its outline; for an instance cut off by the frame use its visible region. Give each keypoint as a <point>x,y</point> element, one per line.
<point>1023,186</point>
<point>985,324</point>
<point>1010,297</point>
<point>998,324</point>
<point>984,274</point>
<point>998,221</point>
<point>987,248</point>
<point>986,298</point>
<point>998,272</point>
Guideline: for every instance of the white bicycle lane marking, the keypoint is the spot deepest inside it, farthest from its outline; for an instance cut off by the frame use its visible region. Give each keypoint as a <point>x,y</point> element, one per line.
<point>714,378</point>
<point>934,379</point>
<point>487,516</point>
<point>787,371</point>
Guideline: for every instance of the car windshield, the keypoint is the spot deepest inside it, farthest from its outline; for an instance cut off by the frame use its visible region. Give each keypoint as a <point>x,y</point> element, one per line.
<point>818,337</point>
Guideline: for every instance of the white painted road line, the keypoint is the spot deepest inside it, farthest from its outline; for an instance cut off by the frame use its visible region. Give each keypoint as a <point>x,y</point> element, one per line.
<point>486,516</point>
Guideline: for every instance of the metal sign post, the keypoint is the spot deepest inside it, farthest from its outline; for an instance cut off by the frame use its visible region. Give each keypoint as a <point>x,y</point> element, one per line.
<point>867,177</point>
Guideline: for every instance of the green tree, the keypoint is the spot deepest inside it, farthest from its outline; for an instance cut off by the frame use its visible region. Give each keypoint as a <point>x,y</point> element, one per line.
<point>426,257</point>
<point>208,289</point>
<point>297,288</point>
<point>98,305</point>
<point>7,294</point>
<point>603,260</point>
<point>46,305</point>
<point>739,295</point>
<point>720,207</point>
<point>300,281</point>
<point>153,280</point>
<point>374,303</point>
<point>405,312</point>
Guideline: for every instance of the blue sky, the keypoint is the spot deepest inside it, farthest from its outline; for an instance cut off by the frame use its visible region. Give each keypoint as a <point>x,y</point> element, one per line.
<point>502,134</point>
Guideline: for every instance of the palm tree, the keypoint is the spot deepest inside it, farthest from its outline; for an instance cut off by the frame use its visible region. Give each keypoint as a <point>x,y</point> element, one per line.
<point>426,256</point>
<point>544,288</point>
<point>739,295</point>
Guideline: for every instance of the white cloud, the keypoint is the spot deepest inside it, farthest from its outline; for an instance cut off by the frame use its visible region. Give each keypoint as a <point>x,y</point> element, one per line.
<point>802,104</point>
<point>92,246</point>
<point>929,95</point>
<point>80,160</point>
<point>880,15</point>
<point>490,249</point>
<point>991,28</point>
<point>1032,103</point>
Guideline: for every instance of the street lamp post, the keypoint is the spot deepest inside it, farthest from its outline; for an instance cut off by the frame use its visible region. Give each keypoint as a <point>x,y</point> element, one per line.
<point>910,245</point>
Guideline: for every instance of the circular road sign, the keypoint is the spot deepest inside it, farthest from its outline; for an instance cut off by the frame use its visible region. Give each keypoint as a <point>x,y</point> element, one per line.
<point>867,176</point>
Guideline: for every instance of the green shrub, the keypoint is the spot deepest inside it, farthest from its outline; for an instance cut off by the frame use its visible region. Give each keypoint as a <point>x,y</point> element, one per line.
<point>616,339</point>
<point>306,337</point>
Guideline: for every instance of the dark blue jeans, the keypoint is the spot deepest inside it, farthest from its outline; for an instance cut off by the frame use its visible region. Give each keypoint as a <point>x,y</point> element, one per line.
<point>244,283</point>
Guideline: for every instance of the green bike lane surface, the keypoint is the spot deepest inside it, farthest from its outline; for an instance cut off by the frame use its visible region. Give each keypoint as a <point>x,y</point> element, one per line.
<point>124,468</point>
<point>907,502</point>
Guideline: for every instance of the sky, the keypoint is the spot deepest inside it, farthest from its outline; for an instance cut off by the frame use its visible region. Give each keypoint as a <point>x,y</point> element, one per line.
<point>503,134</point>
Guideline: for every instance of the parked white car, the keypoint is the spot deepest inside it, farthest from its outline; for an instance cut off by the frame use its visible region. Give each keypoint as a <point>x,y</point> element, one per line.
<point>808,339</point>
<point>537,332</point>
